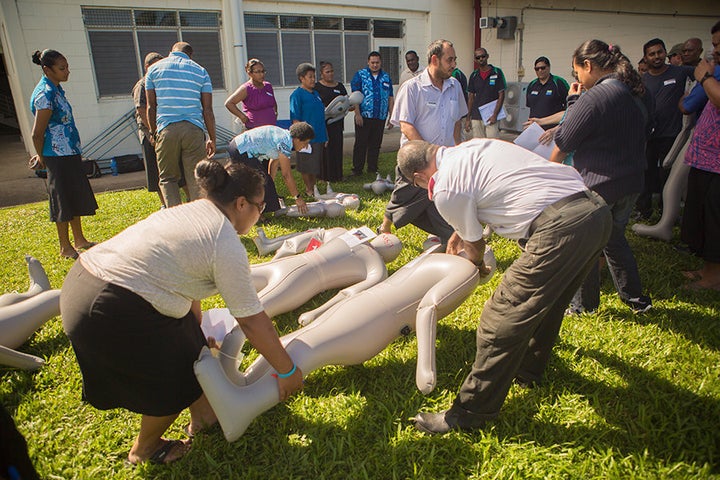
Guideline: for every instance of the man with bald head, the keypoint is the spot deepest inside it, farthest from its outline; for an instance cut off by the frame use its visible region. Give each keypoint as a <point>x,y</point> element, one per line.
<point>691,51</point>
<point>521,196</point>
<point>179,107</point>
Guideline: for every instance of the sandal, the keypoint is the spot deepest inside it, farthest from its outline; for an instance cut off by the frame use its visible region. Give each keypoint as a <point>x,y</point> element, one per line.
<point>73,255</point>
<point>158,457</point>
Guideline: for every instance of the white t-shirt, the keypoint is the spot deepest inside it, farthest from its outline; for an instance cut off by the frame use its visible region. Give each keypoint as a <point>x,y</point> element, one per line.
<point>177,255</point>
<point>487,181</point>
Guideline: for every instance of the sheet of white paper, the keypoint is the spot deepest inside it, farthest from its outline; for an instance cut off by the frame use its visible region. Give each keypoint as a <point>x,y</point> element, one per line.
<point>530,140</point>
<point>487,110</point>
<point>357,236</point>
<point>217,322</point>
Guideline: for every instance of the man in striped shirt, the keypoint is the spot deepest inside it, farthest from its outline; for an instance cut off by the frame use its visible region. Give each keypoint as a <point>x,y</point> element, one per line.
<point>179,101</point>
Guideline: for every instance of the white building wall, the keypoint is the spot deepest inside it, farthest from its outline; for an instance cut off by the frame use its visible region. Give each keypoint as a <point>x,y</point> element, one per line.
<point>59,25</point>
<point>548,27</point>
<point>555,29</point>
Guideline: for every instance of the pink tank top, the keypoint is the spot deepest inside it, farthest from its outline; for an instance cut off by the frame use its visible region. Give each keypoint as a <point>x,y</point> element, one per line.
<point>259,105</point>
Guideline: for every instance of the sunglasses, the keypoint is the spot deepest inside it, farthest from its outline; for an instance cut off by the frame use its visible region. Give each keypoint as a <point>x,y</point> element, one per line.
<point>260,206</point>
<point>480,57</point>
<point>544,67</point>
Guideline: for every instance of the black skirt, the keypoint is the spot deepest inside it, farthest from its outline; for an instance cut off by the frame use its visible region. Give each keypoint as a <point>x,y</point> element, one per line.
<point>69,189</point>
<point>131,356</point>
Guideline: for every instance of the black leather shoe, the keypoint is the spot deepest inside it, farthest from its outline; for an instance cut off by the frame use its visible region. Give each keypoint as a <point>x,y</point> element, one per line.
<point>437,423</point>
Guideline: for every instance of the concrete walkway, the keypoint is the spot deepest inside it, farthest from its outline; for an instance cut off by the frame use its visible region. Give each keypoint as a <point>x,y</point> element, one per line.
<point>19,185</point>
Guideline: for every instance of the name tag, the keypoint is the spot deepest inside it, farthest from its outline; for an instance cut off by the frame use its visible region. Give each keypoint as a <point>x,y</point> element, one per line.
<point>669,82</point>
<point>386,85</point>
<point>268,94</point>
<point>492,77</point>
<point>548,93</point>
<point>336,91</point>
<point>431,104</point>
<point>534,92</point>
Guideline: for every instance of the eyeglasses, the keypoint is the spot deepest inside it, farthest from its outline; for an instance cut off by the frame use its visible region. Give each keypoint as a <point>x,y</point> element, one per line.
<point>258,71</point>
<point>479,57</point>
<point>543,67</point>
<point>260,206</point>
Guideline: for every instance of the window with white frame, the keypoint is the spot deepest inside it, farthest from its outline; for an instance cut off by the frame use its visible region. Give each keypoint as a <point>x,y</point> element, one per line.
<point>282,42</point>
<point>120,38</point>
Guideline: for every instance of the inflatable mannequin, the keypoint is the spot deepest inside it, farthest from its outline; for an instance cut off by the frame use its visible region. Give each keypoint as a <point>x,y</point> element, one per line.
<point>301,243</point>
<point>352,332</point>
<point>21,314</point>
<point>674,186</point>
<point>267,245</point>
<point>287,283</point>
<point>38,283</point>
<point>330,209</point>
<point>380,185</point>
<point>349,200</point>
<point>340,106</point>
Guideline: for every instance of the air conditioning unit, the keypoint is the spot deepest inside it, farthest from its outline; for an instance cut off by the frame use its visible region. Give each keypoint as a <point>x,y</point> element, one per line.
<point>515,108</point>
<point>488,22</point>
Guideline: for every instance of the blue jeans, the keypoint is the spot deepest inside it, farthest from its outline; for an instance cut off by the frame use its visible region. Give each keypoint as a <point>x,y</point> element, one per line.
<point>620,259</point>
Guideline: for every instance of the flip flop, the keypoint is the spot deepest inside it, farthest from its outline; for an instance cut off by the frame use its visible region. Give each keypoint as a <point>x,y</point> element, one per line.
<point>158,458</point>
<point>73,256</point>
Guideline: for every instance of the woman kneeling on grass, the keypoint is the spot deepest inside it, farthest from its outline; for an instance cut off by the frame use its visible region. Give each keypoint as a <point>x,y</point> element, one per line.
<point>131,308</point>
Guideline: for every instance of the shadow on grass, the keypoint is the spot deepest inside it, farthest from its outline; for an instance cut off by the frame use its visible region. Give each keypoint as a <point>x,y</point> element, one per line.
<point>645,414</point>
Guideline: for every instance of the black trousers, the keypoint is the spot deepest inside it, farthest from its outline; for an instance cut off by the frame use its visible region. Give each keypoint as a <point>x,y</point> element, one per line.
<point>368,139</point>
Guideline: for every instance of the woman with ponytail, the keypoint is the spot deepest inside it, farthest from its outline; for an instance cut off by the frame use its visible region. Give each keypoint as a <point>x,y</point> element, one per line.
<point>607,127</point>
<point>131,308</point>
<point>57,143</point>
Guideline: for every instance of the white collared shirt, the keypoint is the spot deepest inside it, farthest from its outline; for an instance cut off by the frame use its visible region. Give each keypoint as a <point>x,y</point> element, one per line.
<point>433,112</point>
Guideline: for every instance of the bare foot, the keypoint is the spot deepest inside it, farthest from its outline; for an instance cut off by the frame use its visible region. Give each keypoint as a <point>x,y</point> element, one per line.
<point>85,245</point>
<point>692,274</point>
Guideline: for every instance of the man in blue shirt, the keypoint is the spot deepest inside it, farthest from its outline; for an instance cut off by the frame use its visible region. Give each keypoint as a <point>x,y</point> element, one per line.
<point>179,102</point>
<point>372,114</point>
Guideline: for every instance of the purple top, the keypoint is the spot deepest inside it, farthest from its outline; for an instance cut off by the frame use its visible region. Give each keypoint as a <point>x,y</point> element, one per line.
<point>703,152</point>
<point>259,105</point>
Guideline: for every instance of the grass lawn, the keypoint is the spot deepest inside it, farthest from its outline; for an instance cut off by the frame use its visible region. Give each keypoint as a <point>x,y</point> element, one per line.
<point>627,396</point>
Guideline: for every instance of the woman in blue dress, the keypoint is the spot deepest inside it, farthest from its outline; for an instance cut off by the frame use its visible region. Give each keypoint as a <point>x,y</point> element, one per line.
<point>307,106</point>
<point>57,143</point>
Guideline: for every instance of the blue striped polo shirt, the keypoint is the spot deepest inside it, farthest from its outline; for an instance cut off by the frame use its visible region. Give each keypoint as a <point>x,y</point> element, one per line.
<point>178,83</point>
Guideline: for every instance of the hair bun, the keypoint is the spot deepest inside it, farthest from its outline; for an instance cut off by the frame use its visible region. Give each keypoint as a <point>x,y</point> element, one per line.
<point>36,57</point>
<point>210,175</point>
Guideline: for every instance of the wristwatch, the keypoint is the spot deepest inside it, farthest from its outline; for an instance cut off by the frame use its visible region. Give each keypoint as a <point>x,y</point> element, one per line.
<point>705,77</point>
